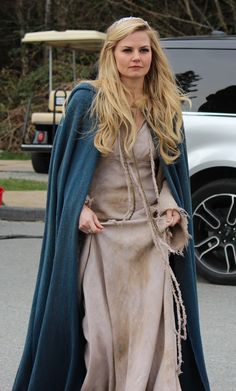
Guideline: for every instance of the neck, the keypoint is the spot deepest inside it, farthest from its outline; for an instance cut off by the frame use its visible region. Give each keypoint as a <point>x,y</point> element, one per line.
<point>135,88</point>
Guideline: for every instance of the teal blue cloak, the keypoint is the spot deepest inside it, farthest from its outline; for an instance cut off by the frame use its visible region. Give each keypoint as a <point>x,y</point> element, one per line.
<point>53,357</point>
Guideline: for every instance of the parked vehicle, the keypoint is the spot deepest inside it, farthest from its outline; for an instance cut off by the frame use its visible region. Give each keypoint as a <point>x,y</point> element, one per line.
<point>205,69</point>
<point>45,124</point>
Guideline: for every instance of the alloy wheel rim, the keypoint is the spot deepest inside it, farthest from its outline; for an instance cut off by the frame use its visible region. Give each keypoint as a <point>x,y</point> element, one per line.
<point>214,221</point>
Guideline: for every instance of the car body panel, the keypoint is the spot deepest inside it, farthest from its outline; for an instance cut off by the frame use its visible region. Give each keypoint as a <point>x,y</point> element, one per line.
<point>211,140</point>
<point>204,68</point>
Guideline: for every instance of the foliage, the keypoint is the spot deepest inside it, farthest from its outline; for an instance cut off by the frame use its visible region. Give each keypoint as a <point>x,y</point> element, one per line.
<point>23,69</point>
<point>6,155</point>
<point>16,92</point>
<point>22,185</point>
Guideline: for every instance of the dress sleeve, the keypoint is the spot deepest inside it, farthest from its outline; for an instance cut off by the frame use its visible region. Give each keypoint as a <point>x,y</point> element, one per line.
<point>178,235</point>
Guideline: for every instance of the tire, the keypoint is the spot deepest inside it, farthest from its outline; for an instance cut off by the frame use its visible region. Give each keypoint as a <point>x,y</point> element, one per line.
<point>214,222</point>
<point>40,162</point>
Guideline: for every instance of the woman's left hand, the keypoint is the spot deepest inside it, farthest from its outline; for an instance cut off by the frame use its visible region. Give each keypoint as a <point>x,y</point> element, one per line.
<point>172,217</point>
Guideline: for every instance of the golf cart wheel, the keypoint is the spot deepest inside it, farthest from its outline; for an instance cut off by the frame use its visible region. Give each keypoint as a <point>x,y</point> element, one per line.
<point>40,162</point>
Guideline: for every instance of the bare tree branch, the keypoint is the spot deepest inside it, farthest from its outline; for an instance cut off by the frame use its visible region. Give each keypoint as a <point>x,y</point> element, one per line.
<point>188,9</point>
<point>220,15</point>
<point>159,15</point>
<point>202,14</point>
<point>232,5</point>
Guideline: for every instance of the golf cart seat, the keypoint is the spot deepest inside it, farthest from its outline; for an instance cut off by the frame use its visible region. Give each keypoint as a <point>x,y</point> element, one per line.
<point>57,99</point>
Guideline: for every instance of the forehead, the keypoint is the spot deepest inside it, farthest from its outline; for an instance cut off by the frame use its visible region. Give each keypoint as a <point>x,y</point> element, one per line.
<point>138,38</point>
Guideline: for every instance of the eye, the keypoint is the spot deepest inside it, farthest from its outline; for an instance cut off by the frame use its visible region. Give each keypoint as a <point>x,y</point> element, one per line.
<point>127,50</point>
<point>144,50</point>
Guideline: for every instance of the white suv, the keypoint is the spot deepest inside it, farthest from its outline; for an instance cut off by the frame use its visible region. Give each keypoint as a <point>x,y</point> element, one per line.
<point>205,68</point>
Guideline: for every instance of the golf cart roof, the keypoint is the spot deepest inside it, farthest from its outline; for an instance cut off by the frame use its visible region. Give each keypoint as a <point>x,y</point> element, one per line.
<point>74,39</point>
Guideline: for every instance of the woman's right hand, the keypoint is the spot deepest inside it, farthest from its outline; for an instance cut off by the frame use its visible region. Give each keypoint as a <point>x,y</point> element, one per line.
<point>88,221</point>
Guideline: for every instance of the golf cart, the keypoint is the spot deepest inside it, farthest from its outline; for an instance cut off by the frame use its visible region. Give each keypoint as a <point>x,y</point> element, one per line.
<point>45,123</point>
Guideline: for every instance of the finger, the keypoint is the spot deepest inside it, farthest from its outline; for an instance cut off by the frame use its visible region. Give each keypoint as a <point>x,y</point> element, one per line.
<point>97,222</point>
<point>85,225</point>
<point>85,218</point>
<point>94,228</point>
<point>169,216</point>
<point>176,218</point>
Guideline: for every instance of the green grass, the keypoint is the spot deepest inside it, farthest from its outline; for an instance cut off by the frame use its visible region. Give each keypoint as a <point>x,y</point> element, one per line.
<point>22,184</point>
<point>6,155</point>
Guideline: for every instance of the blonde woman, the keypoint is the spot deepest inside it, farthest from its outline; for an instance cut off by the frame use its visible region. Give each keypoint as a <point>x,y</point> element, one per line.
<point>115,305</point>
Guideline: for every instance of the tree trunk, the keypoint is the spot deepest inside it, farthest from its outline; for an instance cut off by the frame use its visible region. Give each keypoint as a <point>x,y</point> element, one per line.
<point>19,8</point>
<point>48,14</point>
<point>47,25</point>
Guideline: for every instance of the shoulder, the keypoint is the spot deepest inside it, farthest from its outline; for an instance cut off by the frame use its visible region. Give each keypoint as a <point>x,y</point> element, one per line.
<point>86,86</point>
<point>84,89</point>
<point>81,97</point>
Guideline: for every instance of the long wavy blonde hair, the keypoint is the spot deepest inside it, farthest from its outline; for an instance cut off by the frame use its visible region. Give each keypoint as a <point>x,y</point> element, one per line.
<point>161,108</point>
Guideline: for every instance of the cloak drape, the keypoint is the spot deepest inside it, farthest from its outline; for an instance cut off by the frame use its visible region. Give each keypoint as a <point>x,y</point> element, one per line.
<point>53,357</point>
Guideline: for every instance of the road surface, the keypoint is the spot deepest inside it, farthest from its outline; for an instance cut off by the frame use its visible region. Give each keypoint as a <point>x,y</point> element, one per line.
<point>18,268</point>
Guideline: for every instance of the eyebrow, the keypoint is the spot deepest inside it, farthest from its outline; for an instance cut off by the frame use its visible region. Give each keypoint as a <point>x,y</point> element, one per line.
<point>141,47</point>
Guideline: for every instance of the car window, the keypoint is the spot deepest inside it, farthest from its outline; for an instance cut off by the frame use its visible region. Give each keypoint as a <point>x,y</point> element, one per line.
<point>208,77</point>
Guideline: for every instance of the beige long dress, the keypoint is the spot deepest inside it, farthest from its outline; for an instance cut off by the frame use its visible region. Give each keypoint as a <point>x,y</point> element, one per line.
<point>125,280</point>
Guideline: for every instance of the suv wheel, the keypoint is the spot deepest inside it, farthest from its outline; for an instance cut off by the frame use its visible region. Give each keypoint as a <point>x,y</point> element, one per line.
<point>214,221</point>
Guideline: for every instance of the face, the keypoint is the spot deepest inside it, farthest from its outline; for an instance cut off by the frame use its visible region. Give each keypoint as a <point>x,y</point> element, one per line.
<point>133,56</point>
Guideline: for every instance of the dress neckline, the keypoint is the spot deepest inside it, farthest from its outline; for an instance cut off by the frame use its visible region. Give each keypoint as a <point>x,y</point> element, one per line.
<point>141,127</point>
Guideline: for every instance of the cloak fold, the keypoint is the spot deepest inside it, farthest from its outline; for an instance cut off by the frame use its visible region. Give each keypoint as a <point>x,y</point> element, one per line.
<point>53,356</point>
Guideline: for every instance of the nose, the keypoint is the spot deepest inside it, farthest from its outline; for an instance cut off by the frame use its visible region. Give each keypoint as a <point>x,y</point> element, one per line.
<point>136,56</point>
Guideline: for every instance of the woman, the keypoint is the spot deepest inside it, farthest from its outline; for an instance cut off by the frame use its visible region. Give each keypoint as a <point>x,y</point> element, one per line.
<point>119,171</point>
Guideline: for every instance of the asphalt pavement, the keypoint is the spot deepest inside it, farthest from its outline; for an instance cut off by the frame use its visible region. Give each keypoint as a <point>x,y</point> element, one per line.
<point>18,270</point>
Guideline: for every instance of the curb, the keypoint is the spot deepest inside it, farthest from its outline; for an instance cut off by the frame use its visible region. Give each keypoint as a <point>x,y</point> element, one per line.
<point>22,214</point>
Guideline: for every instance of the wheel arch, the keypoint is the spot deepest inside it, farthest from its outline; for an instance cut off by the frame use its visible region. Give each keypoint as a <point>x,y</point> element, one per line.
<point>209,175</point>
